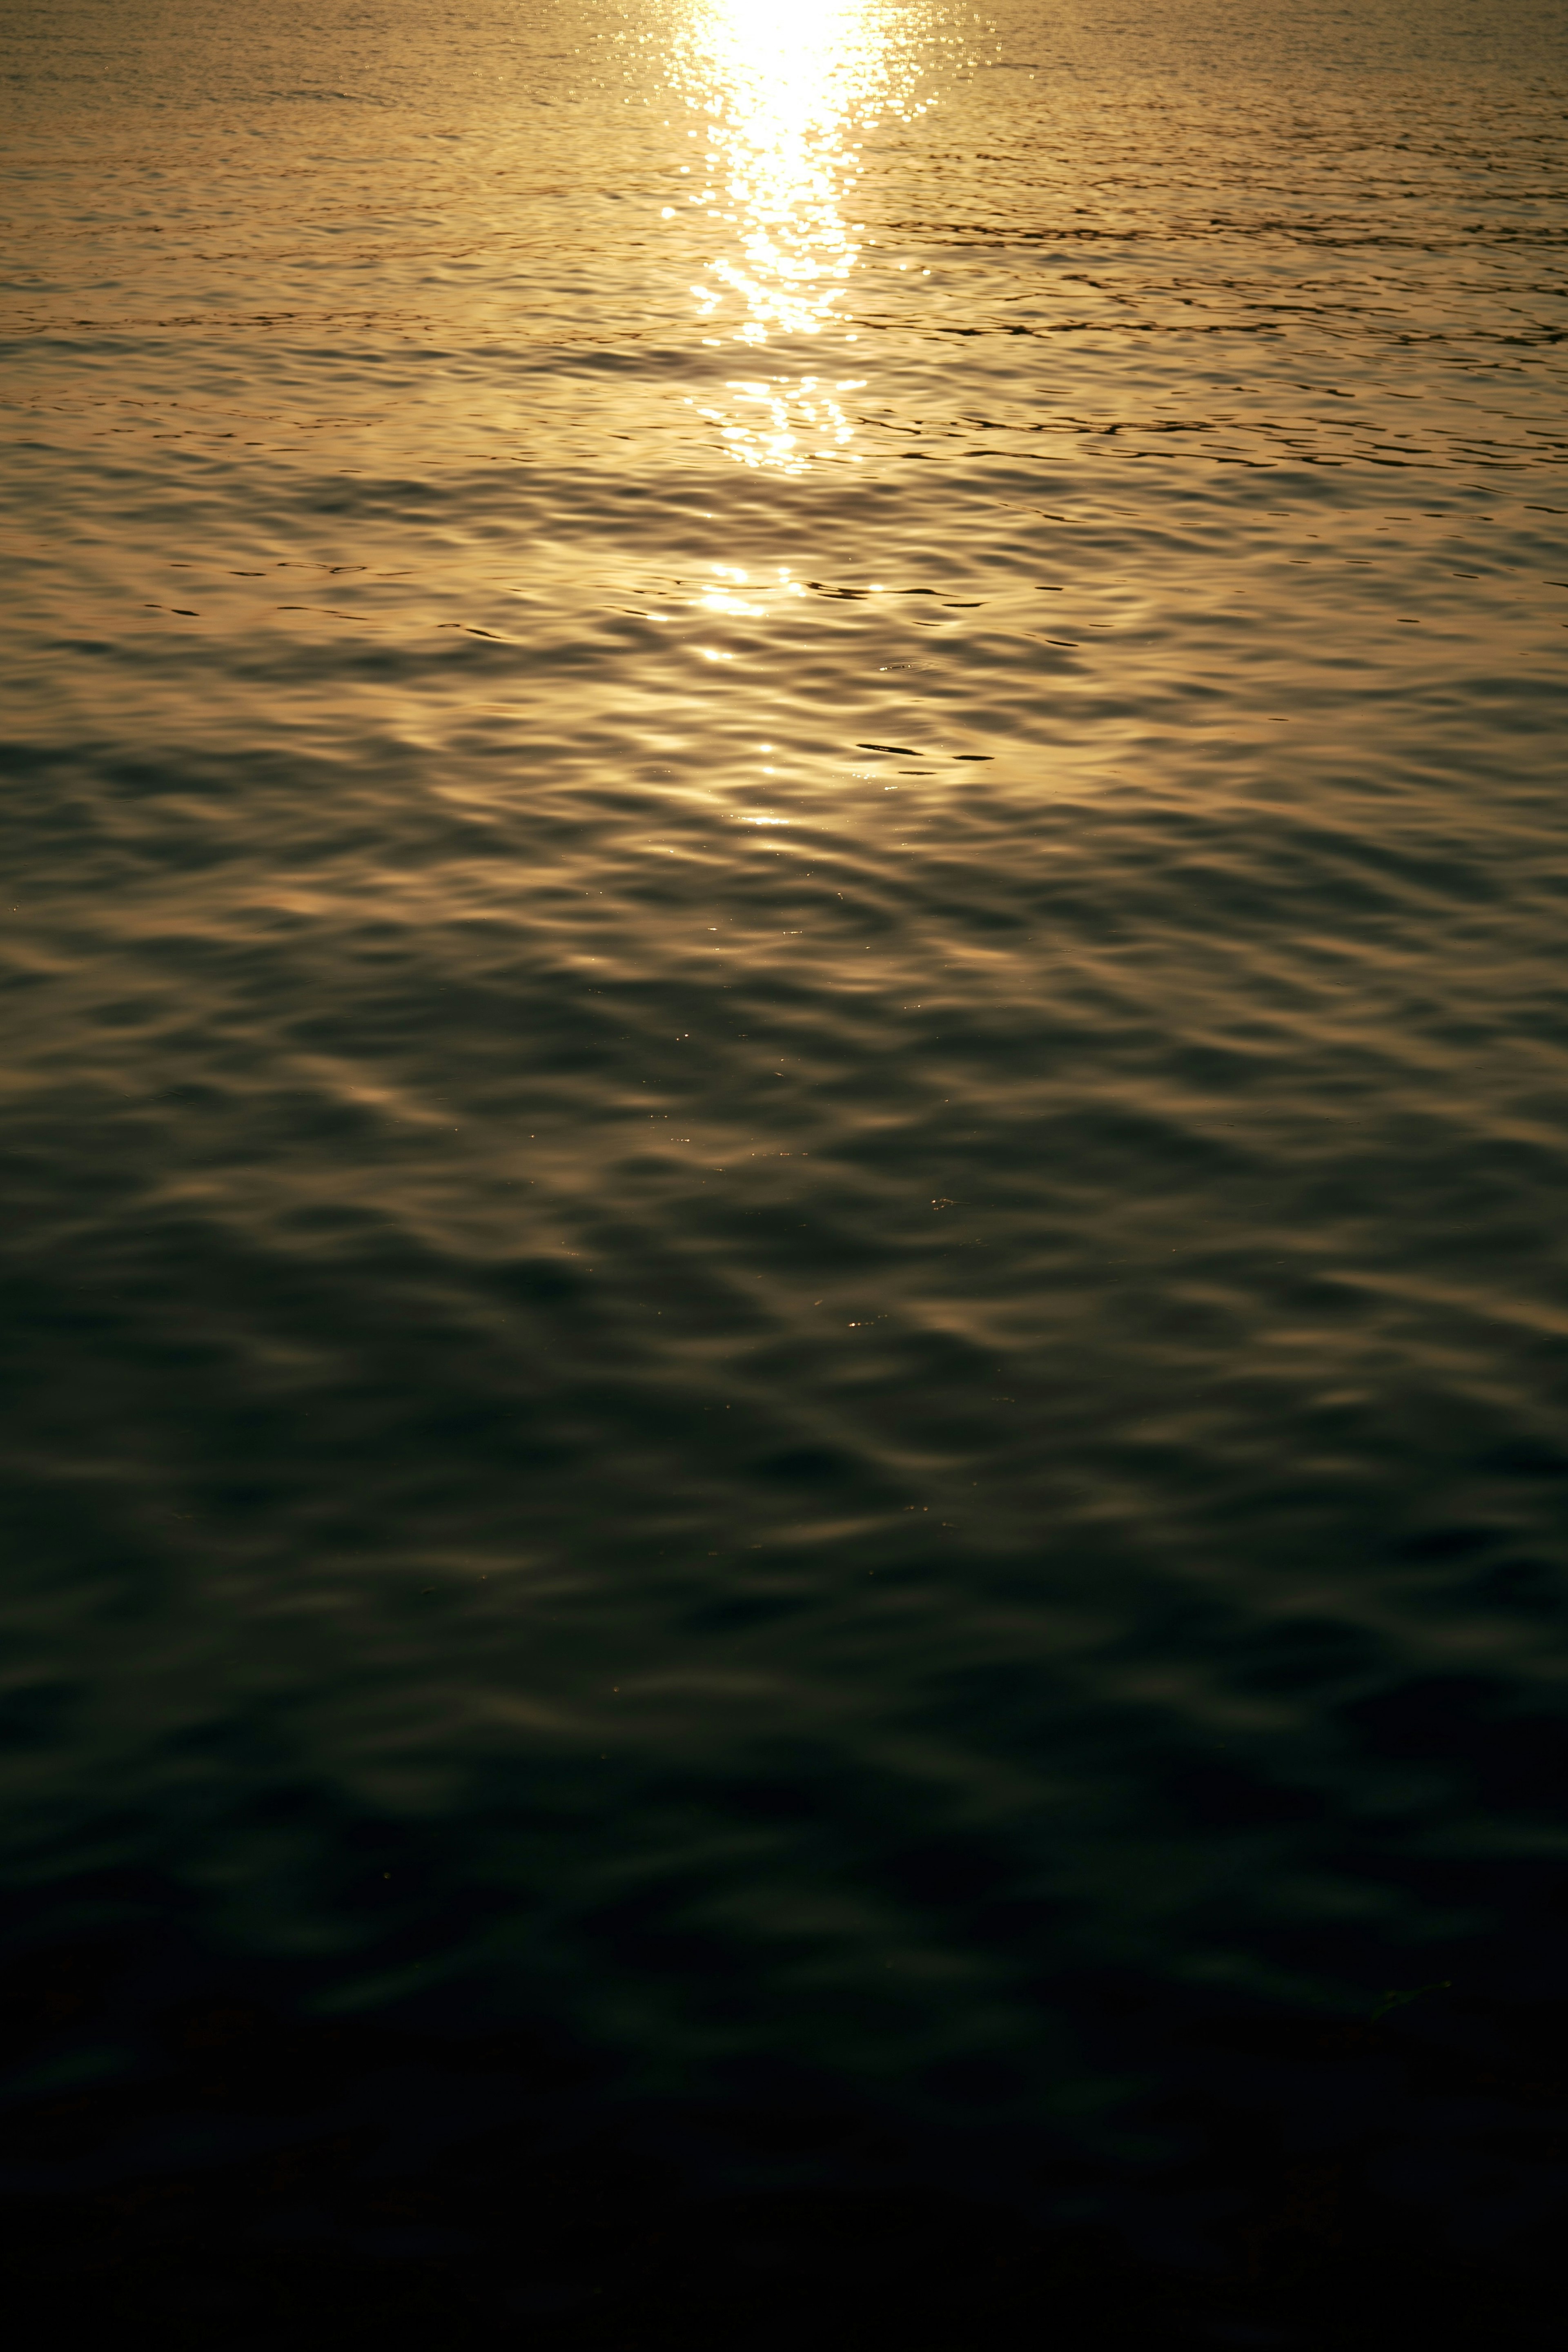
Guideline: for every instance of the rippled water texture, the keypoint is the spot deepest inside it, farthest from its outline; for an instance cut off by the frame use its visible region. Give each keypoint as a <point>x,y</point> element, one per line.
<point>785,1064</point>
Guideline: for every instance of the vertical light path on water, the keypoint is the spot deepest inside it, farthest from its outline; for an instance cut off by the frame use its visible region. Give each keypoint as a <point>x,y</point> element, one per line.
<point>784,906</point>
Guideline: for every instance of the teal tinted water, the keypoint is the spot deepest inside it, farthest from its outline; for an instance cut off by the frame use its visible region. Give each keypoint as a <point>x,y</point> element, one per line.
<point>785,1066</point>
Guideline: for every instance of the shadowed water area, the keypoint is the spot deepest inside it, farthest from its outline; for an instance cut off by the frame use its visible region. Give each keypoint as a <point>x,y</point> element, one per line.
<point>787,1142</point>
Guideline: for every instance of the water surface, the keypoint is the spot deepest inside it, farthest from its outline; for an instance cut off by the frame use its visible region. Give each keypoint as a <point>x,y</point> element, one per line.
<point>785,1094</point>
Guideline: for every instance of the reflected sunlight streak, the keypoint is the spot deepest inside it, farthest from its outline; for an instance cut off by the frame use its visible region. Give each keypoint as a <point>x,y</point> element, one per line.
<point>787,93</point>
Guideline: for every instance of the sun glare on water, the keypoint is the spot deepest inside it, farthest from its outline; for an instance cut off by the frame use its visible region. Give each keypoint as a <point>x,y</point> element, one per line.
<point>789,94</point>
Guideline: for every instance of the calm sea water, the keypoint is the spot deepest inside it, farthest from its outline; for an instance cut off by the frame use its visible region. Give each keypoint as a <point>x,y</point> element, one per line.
<point>786,1148</point>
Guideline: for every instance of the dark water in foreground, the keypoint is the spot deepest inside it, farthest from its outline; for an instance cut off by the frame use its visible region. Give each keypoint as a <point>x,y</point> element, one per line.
<point>783,1222</point>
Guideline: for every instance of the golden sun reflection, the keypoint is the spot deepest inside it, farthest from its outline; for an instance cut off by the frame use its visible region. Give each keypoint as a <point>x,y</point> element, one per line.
<point>788,91</point>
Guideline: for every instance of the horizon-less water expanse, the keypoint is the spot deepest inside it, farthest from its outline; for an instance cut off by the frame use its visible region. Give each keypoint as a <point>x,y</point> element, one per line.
<point>786,1149</point>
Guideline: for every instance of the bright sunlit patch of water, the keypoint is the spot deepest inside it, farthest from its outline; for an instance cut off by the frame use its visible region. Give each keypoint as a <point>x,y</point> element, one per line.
<point>788,98</point>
